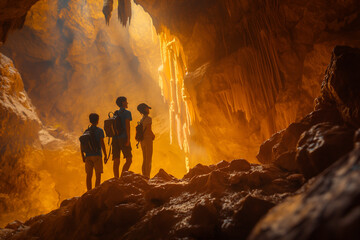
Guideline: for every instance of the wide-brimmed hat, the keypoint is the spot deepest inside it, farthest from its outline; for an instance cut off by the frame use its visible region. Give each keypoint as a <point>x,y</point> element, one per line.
<point>142,106</point>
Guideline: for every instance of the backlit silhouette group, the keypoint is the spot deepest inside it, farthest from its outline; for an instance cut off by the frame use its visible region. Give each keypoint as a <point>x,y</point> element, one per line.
<point>120,143</point>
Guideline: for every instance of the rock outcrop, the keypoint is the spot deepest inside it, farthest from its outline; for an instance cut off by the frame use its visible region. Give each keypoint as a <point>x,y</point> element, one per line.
<point>20,129</point>
<point>210,202</point>
<point>314,143</point>
<point>12,15</point>
<point>327,209</point>
<point>37,163</point>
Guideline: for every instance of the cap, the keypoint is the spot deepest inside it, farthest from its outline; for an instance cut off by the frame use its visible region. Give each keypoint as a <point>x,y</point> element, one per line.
<point>141,107</point>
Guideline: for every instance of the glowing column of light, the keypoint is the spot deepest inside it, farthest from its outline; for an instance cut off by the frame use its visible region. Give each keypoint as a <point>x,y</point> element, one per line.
<point>171,76</point>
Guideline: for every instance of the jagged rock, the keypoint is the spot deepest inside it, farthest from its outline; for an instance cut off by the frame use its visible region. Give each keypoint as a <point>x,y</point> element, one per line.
<point>283,144</point>
<point>6,233</point>
<point>341,85</point>
<point>240,165</point>
<point>289,138</point>
<point>197,170</point>
<point>162,175</point>
<point>14,225</point>
<point>260,53</point>
<point>265,154</point>
<point>209,204</point>
<point>286,161</point>
<point>12,15</point>
<point>246,217</point>
<point>20,135</point>
<point>222,164</point>
<point>321,146</point>
<point>327,208</point>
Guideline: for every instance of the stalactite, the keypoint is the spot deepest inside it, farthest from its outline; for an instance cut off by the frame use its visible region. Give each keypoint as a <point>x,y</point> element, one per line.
<point>250,77</point>
<point>244,82</point>
<point>107,10</point>
<point>124,11</point>
<point>171,81</point>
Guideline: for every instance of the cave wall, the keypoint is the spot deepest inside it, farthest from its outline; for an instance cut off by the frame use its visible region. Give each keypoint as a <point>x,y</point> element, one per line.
<point>253,66</point>
<point>256,64</point>
<point>24,189</point>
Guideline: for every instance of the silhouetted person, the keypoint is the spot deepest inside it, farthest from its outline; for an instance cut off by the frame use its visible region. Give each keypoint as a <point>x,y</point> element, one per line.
<point>148,138</point>
<point>121,143</point>
<point>93,160</point>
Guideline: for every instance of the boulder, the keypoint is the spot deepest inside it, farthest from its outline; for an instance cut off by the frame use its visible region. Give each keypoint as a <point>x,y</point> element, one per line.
<point>326,208</point>
<point>212,204</point>
<point>286,161</point>
<point>341,84</point>
<point>321,146</point>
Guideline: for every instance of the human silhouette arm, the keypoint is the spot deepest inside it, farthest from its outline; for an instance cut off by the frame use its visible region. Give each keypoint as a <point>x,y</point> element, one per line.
<point>152,133</point>
<point>82,153</point>
<point>104,150</point>
<point>127,125</point>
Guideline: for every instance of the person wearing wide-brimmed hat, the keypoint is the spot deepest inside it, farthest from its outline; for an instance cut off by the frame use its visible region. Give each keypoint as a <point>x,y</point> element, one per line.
<point>148,138</point>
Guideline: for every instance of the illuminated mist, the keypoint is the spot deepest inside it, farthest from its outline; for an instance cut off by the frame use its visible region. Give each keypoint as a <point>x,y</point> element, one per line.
<point>73,64</point>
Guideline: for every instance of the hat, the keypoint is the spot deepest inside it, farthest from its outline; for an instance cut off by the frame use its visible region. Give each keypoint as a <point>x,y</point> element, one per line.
<point>141,107</point>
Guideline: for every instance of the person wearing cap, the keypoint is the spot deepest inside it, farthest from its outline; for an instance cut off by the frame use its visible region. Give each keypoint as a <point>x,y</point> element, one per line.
<point>147,142</point>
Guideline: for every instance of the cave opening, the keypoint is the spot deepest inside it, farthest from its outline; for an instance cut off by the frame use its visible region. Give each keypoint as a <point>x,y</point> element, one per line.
<point>71,64</point>
<point>253,126</point>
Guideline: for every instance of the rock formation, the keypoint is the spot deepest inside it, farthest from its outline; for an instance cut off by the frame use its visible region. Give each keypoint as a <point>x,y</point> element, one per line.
<point>223,201</point>
<point>21,135</point>
<point>234,200</point>
<point>254,66</point>
<point>12,15</point>
<point>327,209</point>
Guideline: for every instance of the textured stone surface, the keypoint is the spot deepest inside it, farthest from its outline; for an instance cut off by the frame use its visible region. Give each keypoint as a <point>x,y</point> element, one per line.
<point>211,204</point>
<point>327,208</point>
<point>322,145</point>
<point>323,136</point>
<point>255,66</point>
<point>341,85</point>
<point>20,141</point>
<point>282,144</point>
<point>12,15</point>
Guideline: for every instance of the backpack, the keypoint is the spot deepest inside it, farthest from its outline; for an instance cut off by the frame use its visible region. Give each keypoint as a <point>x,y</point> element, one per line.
<point>139,136</point>
<point>112,125</point>
<point>88,141</point>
